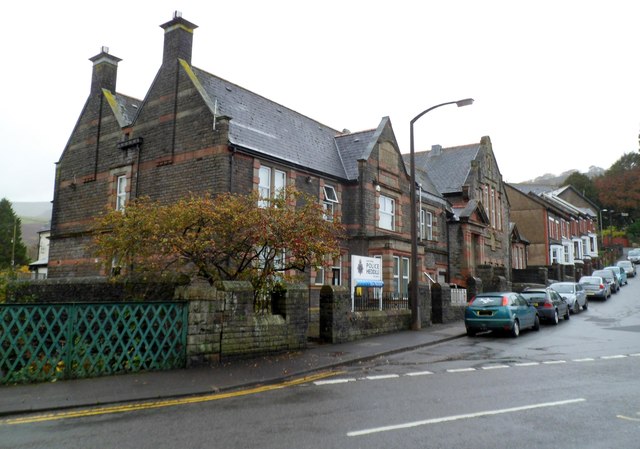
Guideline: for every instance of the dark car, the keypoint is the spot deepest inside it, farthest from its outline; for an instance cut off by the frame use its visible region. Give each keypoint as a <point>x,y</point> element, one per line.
<point>550,305</point>
<point>596,287</point>
<point>574,293</point>
<point>504,311</point>
<point>609,277</point>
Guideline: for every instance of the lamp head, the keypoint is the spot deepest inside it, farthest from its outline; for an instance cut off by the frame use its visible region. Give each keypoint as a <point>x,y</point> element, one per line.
<point>465,102</point>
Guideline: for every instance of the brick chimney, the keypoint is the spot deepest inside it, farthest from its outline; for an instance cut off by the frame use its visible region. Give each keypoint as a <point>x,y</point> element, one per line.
<point>178,39</point>
<point>105,71</point>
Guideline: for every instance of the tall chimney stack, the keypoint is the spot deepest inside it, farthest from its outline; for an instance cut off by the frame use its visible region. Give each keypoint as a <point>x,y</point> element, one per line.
<point>178,39</point>
<point>105,71</point>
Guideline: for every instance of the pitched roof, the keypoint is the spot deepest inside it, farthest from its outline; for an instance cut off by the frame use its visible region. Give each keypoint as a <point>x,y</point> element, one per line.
<point>354,147</point>
<point>124,108</point>
<point>537,189</point>
<point>448,167</point>
<point>264,126</point>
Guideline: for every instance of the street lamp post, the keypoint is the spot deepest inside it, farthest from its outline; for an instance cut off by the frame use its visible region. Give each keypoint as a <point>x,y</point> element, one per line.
<point>413,285</point>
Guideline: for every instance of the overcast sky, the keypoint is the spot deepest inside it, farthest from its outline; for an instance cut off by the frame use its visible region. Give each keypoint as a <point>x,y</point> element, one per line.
<point>556,83</point>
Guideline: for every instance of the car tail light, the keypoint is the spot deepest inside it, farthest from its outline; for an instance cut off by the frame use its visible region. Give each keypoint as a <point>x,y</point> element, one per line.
<point>505,301</point>
<point>602,286</point>
<point>547,305</point>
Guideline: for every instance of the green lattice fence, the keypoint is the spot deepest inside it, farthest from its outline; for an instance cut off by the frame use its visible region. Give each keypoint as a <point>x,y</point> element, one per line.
<point>42,342</point>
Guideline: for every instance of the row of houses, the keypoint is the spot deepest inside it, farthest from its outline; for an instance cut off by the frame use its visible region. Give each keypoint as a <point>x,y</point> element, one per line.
<point>195,132</point>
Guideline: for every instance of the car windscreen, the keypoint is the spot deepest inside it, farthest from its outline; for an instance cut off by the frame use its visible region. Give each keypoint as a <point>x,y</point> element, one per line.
<point>484,301</point>
<point>563,288</point>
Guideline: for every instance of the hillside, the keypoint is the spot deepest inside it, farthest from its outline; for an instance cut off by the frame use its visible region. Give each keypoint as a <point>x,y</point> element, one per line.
<point>35,217</point>
<point>556,180</point>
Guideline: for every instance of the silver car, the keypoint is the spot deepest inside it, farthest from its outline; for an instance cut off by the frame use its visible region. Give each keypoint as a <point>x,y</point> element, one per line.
<point>574,293</point>
<point>596,287</point>
<point>634,256</point>
<point>629,268</point>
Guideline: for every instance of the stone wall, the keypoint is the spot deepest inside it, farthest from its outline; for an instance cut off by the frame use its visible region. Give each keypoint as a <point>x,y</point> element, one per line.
<point>339,324</point>
<point>223,325</point>
<point>443,310</point>
<point>89,289</point>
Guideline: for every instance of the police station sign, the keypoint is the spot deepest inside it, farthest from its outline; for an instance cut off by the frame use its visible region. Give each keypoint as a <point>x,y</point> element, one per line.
<point>366,271</point>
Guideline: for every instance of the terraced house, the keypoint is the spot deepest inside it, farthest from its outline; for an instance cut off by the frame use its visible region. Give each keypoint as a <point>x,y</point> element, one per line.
<point>196,132</point>
<point>561,225</point>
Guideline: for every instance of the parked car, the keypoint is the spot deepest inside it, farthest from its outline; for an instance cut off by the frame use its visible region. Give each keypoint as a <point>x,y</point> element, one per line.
<point>629,268</point>
<point>609,277</point>
<point>502,311</point>
<point>619,271</point>
<point>550,305</point>
<point>634,256</point>
<point>574,293</point>
<point>595,287</point>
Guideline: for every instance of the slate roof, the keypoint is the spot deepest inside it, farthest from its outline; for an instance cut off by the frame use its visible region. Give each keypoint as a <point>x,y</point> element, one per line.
<point>537,189</point>
<point>269,128</point>
<point>449,169</point>
<point>125,108</point>
<point>354,147</point>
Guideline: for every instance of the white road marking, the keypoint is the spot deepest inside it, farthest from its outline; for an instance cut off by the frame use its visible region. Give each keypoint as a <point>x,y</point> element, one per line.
<point>425,422</point>
<point>334,381</point>
<point>495,366</point>
<point>466,370</point>
<point>382,376</point>
<point>419,373</point>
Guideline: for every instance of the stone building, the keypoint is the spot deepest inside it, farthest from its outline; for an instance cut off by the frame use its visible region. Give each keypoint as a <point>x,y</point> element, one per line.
<point>197,133</point>
<point>468,177</point>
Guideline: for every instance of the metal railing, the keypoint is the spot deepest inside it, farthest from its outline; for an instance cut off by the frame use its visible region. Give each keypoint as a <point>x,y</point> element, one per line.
<point>459,296</point>
<point>380,301</point>
<point>43,342</point>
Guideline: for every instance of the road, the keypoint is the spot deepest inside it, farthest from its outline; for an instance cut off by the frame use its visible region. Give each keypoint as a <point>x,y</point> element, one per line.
<point>574,385</point>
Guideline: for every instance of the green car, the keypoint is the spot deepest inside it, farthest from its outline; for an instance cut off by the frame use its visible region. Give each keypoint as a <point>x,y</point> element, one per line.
<point>501,311</point>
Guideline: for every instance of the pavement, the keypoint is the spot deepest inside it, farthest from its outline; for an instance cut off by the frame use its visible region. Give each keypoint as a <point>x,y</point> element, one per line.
<point>235,375</point>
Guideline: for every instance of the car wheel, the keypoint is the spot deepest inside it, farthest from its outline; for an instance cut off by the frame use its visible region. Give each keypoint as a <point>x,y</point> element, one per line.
<point>515,330</point>
<point>576,307</point>
<point>471,332</point>
<point>586,304</point>
<point>555,318</point>
<point>567,315</point>
<point>536,323</point>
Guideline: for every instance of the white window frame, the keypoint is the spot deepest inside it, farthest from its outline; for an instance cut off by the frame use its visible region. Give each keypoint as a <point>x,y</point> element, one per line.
<point>556,254</point>
<point>426,225</point>
<point>567,253</point>
<point>121,192</point>
<point>336,268</point>
<point>330,199</point>
<point>387,212</point>
<point>271,182</point>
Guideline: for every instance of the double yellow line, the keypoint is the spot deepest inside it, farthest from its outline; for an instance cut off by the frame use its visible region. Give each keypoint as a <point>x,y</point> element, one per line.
<point>159,404</point>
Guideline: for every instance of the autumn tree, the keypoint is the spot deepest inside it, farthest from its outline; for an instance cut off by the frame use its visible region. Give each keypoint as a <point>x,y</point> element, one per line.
<point>227,237</point>
<point>12,250</point>
<point>619,188</point>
